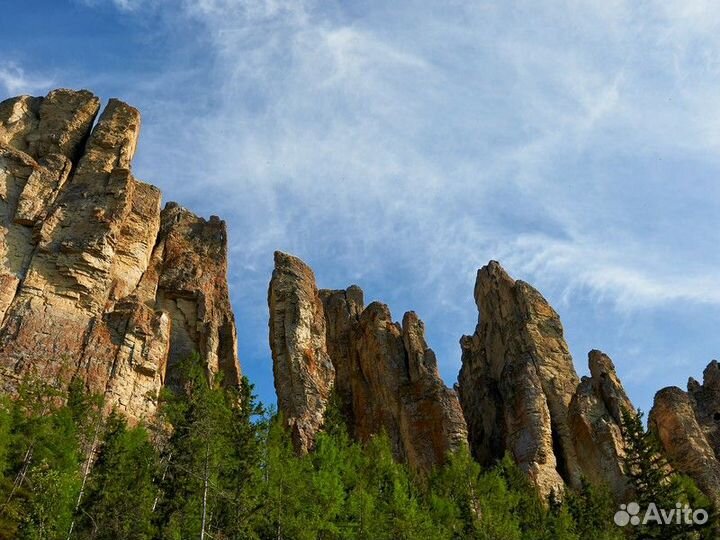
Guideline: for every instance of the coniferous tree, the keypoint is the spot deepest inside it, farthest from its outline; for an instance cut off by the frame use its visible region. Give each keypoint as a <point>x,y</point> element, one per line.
<point>240,502</point>
<point>205,456</point>
<point>284,488</point>
<point>118,504</point>
<point>654,482</point>
<point>648,473</point>
<point>644,464</point>
<point>87,414</point>
<point>592,509</point>
<point>455,493</point>
<point>43,465</point>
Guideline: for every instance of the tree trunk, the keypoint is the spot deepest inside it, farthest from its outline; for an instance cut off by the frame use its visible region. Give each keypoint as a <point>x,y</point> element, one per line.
<point>205,490</point>
<point>86,473</point>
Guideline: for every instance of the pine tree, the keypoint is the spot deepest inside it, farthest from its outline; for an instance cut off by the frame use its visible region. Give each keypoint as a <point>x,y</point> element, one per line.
<point>241,465</point>
<point>284,488</point>
<point>592,509</point>
<point>43,464</point>
<point>653,481</point>
<point>455,496</point>
<point>644,464</point>
<point>87,414</point>
<point>208,456</point>
<point>120,490</point>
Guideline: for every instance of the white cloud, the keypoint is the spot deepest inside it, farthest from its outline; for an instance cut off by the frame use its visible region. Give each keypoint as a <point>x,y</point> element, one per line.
<point>628,277</point>
<point>15,80</point>
<point>394,135</point>
<point>404,145</point>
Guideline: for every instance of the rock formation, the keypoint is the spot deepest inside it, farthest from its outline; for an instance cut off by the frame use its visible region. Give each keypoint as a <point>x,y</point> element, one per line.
<point>520,393</point>
<point>303,371</point>
<point>396,388</point>
<point>96,281</point>
<point>384,374</point>
<point>517,380</point>
<point>595,418</point>
<point>688,427</point>
<point>342,312</point>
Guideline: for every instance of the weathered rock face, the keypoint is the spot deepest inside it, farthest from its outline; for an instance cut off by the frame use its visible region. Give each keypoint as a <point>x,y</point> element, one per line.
<point>396,388</point>
<point>304,374</point>
<point>342,312</point>
<point>706,403</point>
<point>595,418</point>
<point>687,424</point>
<point>95,280</point>
<point>520,392</point>
<point>384,374</point>
<point>517,380</point>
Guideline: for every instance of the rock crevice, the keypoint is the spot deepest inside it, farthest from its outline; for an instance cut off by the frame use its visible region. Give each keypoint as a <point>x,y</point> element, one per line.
<point>88,259</point>
<point>384,375</point>
<point>520,393</point>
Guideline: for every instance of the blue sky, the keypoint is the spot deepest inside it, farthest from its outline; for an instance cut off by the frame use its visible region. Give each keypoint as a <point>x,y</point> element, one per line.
<point>401,145</point>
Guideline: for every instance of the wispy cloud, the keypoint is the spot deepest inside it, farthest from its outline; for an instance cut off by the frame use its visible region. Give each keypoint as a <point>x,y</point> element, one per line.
<point>14,80</point>
<point>403,145</point>
<point>123,5</point>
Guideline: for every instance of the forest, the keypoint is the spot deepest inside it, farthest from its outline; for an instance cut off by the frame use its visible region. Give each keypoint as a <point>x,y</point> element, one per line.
<point>215,464</point>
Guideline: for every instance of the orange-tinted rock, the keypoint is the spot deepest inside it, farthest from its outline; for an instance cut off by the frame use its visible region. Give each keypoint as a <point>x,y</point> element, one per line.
<point>396,389</point>
<point>517,380</point>
<point>82,241</point>
<point>686,423</point>
<point>342,311</point>
<point>384,374</point>
<point>187,278</point>
<point>595,422</point>
<point>304,374</point>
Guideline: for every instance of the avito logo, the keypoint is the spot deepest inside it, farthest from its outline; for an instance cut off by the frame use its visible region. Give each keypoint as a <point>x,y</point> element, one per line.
<point>630,514</point>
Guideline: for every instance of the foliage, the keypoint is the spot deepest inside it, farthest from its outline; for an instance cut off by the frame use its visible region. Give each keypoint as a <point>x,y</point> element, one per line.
<point>121,492</point>
<point>653,481</point>
<point>215,465</point>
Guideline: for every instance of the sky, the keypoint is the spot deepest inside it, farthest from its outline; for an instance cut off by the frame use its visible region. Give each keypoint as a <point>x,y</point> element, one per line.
<point>402,145</point>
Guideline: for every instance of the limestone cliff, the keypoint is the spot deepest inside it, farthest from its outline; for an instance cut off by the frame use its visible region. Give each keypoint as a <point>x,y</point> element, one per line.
<point>595,418</point>
<point>688,427</point>
<point>384,374</point>
<point>303,371</point>
<point>517,380</point>
<point>95,280</point>
<point>520,393</point>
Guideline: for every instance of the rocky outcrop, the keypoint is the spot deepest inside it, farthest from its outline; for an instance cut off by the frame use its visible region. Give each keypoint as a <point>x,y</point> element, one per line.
<point>396,389</point>
<point>687,424</point>
<point>342,312</point>
<point>517,380</point>
<point>96,281</point>
<point>595,419</point>
<point>520,392</point>
<point>304,374</point>
<point>706,403</point>
<point>384,374</point>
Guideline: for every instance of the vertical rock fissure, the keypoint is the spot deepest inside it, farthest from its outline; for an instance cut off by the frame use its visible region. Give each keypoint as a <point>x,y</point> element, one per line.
<point>383,372</point>
<point>80,267</point>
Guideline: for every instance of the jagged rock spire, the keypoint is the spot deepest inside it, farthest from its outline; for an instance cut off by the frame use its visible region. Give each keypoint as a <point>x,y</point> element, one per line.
<point>520,392</point>
<point>304,374</point>
<point>688,427</point>
<point>96,281</point>
<point>595,418</point>
<point>384,373</point>
<point>517,380</point>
